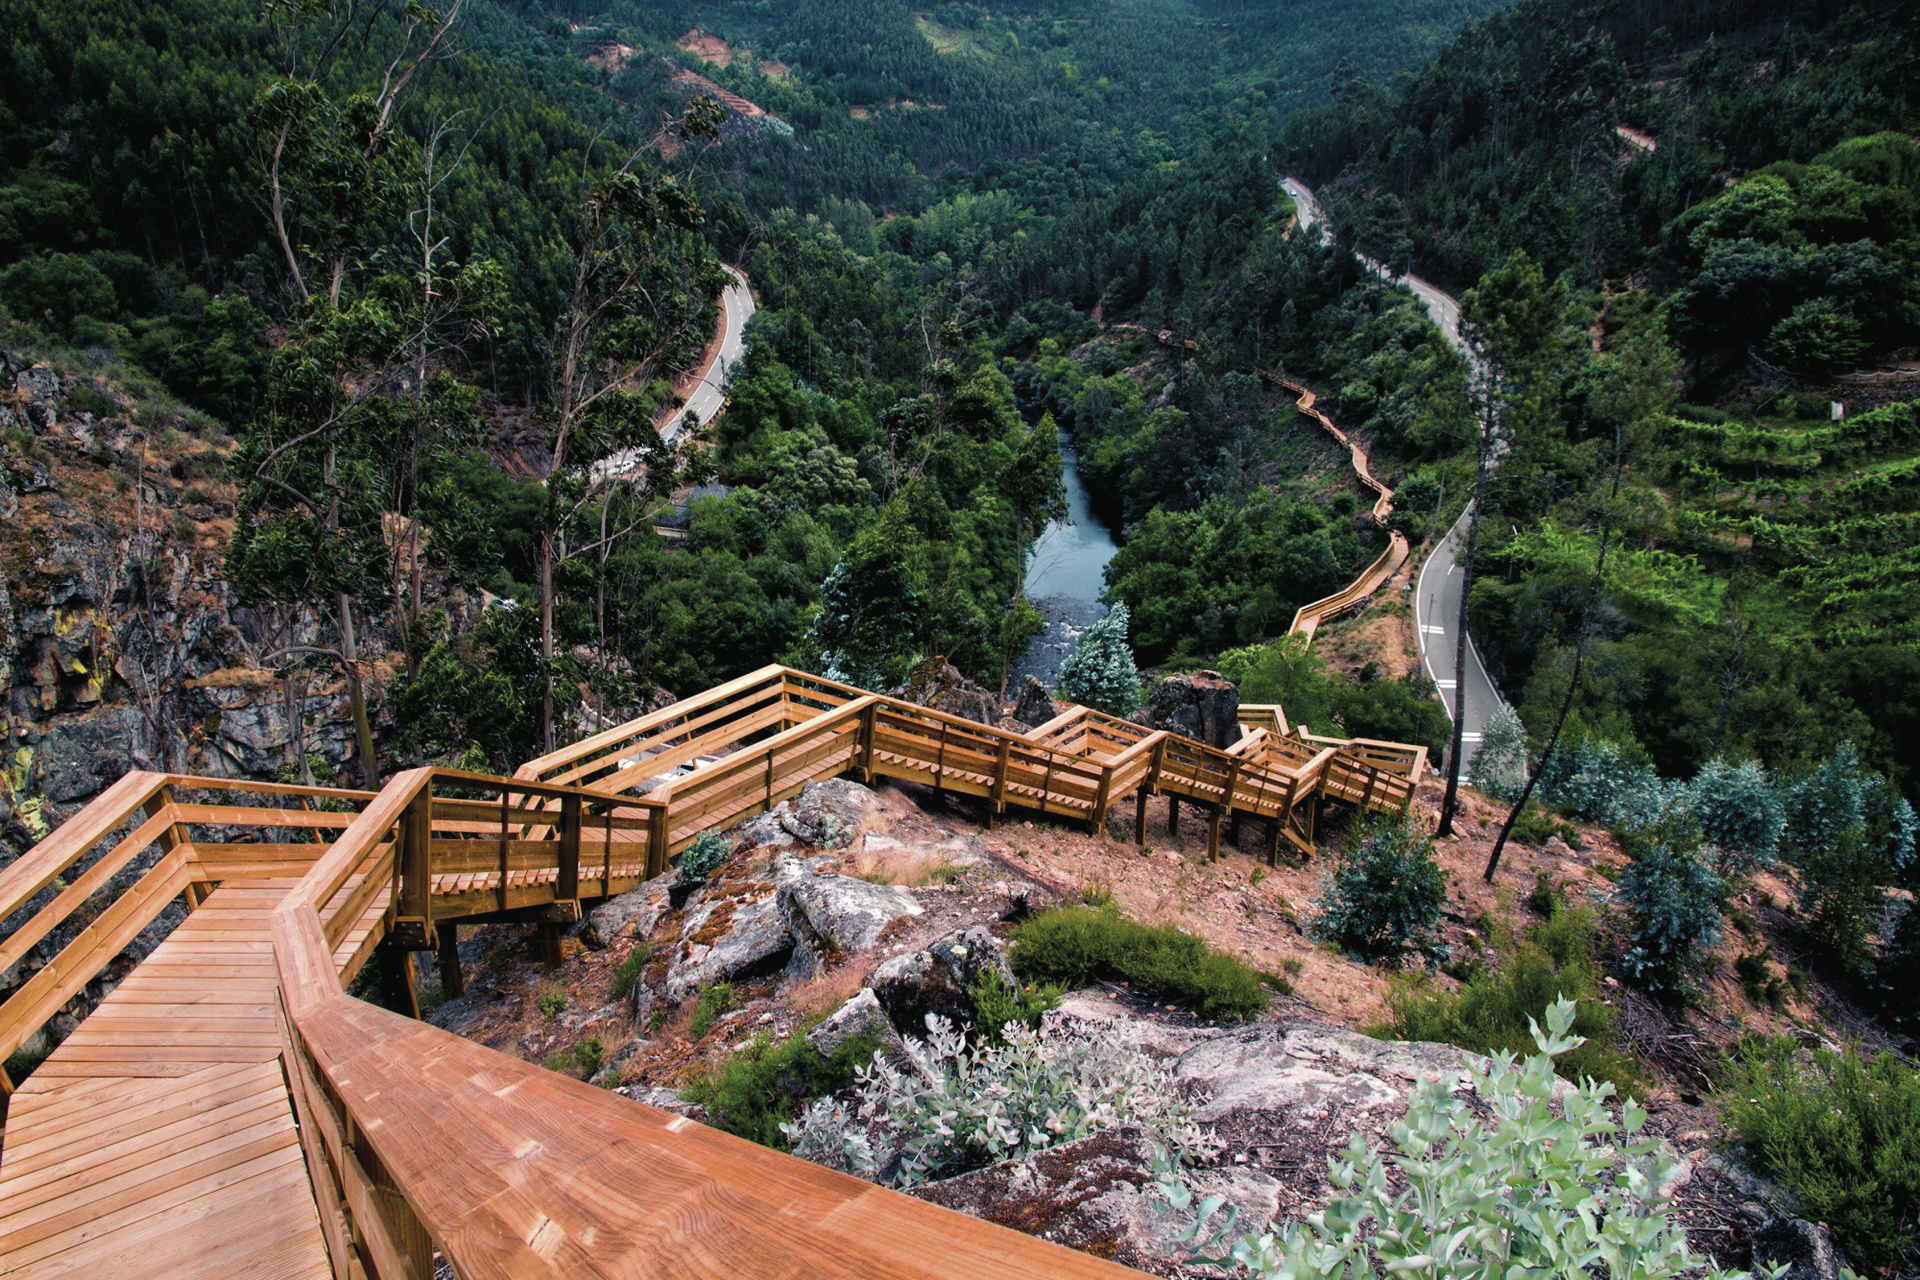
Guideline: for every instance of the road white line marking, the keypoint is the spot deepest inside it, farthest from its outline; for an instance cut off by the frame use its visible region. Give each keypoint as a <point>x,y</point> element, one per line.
<point>1433,629</point>
<point>1469,737</point>
<point>1444,684</point>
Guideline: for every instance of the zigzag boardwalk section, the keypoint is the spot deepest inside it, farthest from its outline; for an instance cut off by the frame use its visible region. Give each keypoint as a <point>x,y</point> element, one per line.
<point>227,1109</point>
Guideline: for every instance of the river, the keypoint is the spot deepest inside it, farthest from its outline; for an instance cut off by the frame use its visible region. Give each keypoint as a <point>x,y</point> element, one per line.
<point>1067,558</point>
<point>1064,578</point>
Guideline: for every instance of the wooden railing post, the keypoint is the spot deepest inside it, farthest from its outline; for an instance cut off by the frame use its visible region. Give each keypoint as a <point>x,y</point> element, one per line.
<point>659,836</point>
<point>413,867</point>
<point>172,838</point>
<point>867,718</point>
<point>568,886</point>
<point>1002,767</point>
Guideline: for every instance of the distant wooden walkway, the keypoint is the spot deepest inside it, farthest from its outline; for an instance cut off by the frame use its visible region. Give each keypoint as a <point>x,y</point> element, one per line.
<point>159,1138</point>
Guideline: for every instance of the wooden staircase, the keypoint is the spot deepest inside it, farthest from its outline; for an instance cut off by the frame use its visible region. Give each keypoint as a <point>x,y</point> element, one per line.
<point>227,1109</point>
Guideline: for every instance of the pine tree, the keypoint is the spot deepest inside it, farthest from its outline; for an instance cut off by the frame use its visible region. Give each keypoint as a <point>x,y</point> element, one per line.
<point>1100,673</point>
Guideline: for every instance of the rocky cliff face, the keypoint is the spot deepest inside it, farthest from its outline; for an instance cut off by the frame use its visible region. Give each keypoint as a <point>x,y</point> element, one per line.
<point>121,643</point>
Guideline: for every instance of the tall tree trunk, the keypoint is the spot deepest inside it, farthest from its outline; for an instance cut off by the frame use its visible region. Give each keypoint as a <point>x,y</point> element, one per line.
<point>357,695</point>
<point>546,638</point>
<point>1579,660</point>
<point>1454,752</point>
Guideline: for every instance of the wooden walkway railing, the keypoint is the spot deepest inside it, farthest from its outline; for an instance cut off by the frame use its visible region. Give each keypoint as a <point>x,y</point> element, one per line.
<point>1307,619</point>
<point>260,1120</point>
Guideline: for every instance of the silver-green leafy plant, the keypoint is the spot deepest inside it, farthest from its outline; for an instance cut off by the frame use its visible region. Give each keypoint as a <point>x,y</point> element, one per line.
<point>953,1107</point>
<point>1535,1193</point>
<point>1499,766</point>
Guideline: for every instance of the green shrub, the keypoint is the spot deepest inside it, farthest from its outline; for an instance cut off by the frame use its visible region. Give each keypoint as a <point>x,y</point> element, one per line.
<point>1842,1132</point>
<point>714,1001</point>
<point>995,1004</point>
<point>627,973</point>
<point>763,1086</point>
<point>1495,1007</point>
<point>1546,898</point>
<point>588,1055</point>
<point>1757,980</point>
<point>1587,1192</point>
<point>704,856</point>
<point>551,1002</point>
<point>1074,945</point>
<point>1383,901</point>
<point>1536,826</point>
<point>1850,834</point>
<point>1675,901</point>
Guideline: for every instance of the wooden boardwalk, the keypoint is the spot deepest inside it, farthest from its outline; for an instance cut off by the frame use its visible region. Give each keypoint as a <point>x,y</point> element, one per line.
<point>227,1109</point>
<point>158,1140</point>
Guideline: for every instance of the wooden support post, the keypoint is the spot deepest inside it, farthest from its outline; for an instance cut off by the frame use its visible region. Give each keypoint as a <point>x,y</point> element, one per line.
<point>1002,766</point>
<point>1273,840</point>
<point>568,885</point>
<point>453,983</point>
<point>1140,816</point>
<point>658,838</point>
<point>549,946</point>
<point>1233,831</point>
<point>606,856</point>
<point>866,741</point>
<point>502,891</point>
<point>416,859</point>
<point>396,977</point>
<point>172,838</point>
<point>1173,815</point>
<point>1100,801</point>
<point>1213,835</point>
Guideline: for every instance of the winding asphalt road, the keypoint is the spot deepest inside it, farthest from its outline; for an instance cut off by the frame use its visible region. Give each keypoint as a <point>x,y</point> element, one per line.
<point>1436,604</point>
<point>710,395</point>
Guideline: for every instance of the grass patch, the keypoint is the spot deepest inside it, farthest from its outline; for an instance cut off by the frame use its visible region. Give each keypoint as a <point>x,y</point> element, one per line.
<point>1841,1131</point>
<point>1074,945</point>
<point>1491,1010</point>
<point>627,973</point>
<point>763,1086</point>
<point>583,1059</point>
<point>1536,826</point>
<point>714,1001</point>
<point>996,1004</point>
<point>551,1002</point>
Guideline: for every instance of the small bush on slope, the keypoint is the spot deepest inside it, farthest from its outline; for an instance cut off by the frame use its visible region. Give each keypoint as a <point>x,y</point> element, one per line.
<point>1532,1193</point>
<point>1496,1010</point>
<point>762,1086</point>
<point>957,1108</point>
<point>1075,945</point>
<point>1383,901</point>
<point>1842,1132</point>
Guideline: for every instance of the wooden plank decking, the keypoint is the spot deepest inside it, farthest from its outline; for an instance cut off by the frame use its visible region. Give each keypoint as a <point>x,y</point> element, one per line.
<point>158,1139</point>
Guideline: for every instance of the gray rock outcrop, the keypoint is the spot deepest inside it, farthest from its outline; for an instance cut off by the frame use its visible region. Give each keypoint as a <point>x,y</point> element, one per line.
<point>835,915</point>
<point>827,815</point>
<point>939,980</point>
<point>729,936</point>
<point>1097,1194</point>
<point>1806,1248</point>
<point>1035,705</point>
<point>1204,706</point>
<point>860,1016</point>
<point>635,913</point>
<point>938,684</point>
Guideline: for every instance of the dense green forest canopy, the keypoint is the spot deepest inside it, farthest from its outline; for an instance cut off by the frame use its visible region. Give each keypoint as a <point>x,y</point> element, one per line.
<point>934,205</point>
